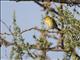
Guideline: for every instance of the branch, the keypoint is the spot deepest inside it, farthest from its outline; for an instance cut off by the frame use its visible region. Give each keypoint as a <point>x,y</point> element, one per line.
<point>57,1</point>
<point>7,28</point>
<point>56,48</point>
<point>41,5</point>
<point>5,42</point>
<point>5,33</point>
<point>35,28</point>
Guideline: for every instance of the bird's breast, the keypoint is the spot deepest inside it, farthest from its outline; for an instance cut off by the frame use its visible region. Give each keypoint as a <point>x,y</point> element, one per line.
<point>49,23</point>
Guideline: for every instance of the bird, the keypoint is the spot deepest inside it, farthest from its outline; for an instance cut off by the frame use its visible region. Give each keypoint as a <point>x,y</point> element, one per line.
<point>50,23</point>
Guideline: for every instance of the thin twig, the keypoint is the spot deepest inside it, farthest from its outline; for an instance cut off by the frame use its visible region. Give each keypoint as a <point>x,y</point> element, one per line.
<point>5,33</point>
<point>35,28</point>
<point>50,48</point>
<point>7,28</point>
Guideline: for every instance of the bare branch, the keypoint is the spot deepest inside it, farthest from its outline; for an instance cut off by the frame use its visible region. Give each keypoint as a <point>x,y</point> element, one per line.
<point>35,28</point>
<point>5,33</point>
<point>56,48</point>
<point>5,42</point>
<point>7,28</point>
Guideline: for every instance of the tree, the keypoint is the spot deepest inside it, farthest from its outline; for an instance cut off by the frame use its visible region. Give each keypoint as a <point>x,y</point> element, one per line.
<point>69,37</point>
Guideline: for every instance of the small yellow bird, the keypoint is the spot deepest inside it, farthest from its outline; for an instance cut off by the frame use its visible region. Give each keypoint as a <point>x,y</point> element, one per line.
<point>51,23</point>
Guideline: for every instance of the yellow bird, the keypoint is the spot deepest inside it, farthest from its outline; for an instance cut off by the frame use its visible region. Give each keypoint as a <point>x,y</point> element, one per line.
<point>50,22</point>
